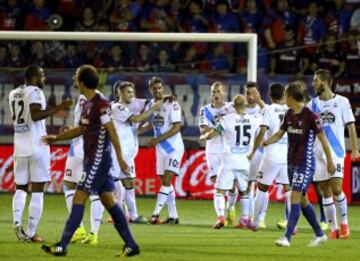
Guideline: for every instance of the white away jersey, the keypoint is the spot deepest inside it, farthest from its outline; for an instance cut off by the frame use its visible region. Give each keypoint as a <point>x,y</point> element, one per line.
<point>238,133</point>
<point>272,117</point>
<point>210,117</point>
<point>162,120</point>
<point>125,130</point>
<point>28,133</point>
<point>335,114</point>
<point>136,106</point>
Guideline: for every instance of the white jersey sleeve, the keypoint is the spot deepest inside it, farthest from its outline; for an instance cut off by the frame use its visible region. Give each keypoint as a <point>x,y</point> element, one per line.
<point>121,112</point>
<point>175,112</point>
<point>347,113</point>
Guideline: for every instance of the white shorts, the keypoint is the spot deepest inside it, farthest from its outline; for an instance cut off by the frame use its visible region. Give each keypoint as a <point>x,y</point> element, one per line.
<point>168,162</point>
<point>73,169</point>
<point>271,171</point>
<point>321,173</point>
<point>35,168</point>
<point>213,161</point>
<point>116,171</point>
<point>255,165</point>
<point>226,178</point>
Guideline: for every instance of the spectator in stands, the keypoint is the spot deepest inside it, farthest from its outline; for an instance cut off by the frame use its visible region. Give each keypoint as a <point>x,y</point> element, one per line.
<point>337,19</point>
<point>154,17</point>
<point>311,30</point>
<point>330,57</point>
<point>36,19</point>
<point>71,59</point>
<point>88,21</point>
<point>196,21</point>
<point>102,7</point>
<point>251,18</point>
<point>55,50</point>
<point>122,18</point>
<point>216,61</point>
<point>190,62</point>
<point>3,56</point>
<point>275,22</point>
<point>162,63</point>
<point>70,10</point>
<point>116,61</point>
<point>175,15</point>
<point>143,59</point>
<point>286,59</point>
<point>355,21</point>
<point>11,16</point>
<point>15,59</point>
<point>353,55</point>
<point>224,21</point>
<point>39,56</point>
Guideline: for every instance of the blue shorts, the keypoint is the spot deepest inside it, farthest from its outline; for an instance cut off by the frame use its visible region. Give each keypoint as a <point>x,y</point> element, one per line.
<point>96,179</point>
<point>300,177</point>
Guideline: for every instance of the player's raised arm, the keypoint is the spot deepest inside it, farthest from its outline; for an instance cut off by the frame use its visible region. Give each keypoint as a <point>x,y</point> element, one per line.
<point>110,127</point>
<point>354,141</point>
<point>66,135</point>
<point>146,114</point>
<point>39,114</point>
<point>330,164</point>
<point>274,138</point>
<point>258,140</point>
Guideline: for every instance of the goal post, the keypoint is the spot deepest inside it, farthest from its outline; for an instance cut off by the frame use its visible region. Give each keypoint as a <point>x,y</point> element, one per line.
<point>250,39</point>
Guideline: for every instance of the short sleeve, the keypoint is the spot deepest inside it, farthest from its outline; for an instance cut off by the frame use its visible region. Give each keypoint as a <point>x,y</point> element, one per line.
<point>175,115</point>
<point>315,123</point>
<point>203,121</point>
<point>36,96</point>
<point>105,113</point>
<point>120,112</point>
<point>265,117</point>
<point>347,113</point>
<point>284,124</point>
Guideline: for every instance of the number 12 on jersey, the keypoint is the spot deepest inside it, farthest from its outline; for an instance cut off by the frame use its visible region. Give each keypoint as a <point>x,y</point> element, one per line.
<point>17,111</point>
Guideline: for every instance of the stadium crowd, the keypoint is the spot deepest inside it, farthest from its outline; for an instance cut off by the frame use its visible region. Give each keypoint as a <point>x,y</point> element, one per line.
<point>295,37</point>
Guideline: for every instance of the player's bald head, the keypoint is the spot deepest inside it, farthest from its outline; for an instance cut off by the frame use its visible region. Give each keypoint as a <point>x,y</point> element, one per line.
<point>239,102</point>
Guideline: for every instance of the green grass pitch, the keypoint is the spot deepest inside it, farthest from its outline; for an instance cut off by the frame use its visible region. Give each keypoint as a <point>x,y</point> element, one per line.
<point>193,239</point>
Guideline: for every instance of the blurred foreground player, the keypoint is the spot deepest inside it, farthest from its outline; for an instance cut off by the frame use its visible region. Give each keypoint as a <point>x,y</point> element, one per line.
<point>302,127</point>
<point>98,132</point>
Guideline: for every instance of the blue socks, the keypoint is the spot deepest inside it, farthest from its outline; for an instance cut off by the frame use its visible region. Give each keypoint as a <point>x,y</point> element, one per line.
<point>121,226</point>
<point>292,221</point>
<point>310,216</point>
<point>73,222</point>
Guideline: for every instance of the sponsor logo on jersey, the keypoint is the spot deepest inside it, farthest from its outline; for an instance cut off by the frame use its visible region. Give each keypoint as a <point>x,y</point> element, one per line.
<point>158,120</point>
<point>293,130</point>
<point>327,117</point>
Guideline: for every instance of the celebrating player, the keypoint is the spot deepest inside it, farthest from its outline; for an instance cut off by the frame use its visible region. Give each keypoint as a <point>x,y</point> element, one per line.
<point>274,164</point>
<point>335,113</point>
<point>302,127</point>
<point>169,145</point>
<point>125,122</point>
<point>210,115</point>
<point>98,132</point>
<point>31,156</point>
<point>238,130</point>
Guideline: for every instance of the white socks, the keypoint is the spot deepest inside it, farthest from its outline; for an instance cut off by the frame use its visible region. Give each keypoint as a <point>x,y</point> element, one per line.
<point>264,209</point>
<point>131,203</point>
<point>161,199</point>
<point>287,203</point>
<point>97,210</point>
<point>35,211</point>
<point>18,205</point>
<point>232,197</point>
<point>245,205</point>
<point>330,212</point>
<point>172,203</point>
<point>341,202</point>
<point>69,195</point>
<point>219,204</point>
<point>259,206</point>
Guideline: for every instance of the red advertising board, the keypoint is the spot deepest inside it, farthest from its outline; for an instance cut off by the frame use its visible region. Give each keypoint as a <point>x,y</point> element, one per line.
<point>193,182</point>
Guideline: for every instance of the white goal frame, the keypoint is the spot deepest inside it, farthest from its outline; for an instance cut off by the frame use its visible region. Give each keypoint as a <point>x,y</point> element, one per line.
<point>250,39</point>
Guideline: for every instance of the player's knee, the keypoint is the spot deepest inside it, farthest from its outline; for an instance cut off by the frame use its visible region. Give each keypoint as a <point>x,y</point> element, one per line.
<point>262,187</point>
<point>22,187</point>
<point>37,187</point>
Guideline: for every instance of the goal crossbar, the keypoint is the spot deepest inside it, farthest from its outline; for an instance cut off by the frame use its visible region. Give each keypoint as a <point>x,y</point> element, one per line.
<point>251,39</point>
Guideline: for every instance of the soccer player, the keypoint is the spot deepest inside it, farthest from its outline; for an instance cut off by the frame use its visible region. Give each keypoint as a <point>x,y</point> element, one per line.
<point>126,122</point>
<point>98,132</point>
<point>31,157</point>
<point>210,116</point>
<point>274,164</point>
<point>166,123</point>
<point>254,106</point>
<point>73,173</point>
<point>302,127</point>
<point>335,113</point>
<point>237,130</point>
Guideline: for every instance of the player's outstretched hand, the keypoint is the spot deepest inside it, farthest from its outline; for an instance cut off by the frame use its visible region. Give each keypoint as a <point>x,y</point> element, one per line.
<point>157,105</point>
<point>124,167</point>
<point>331,168</point>
<point>48,139</point>
<point>64,128</point>
<point>153,142</point>
<point>355,155</point>
<point>63,114</point>
<point>66,104</point>
<point>204,136</point>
